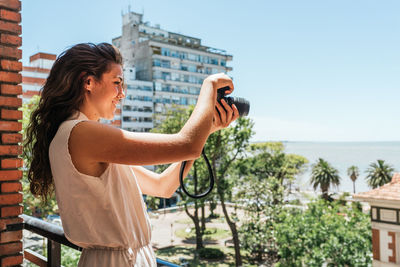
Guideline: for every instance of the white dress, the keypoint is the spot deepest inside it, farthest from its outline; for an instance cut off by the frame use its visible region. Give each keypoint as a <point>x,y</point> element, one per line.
<point>104,215</point>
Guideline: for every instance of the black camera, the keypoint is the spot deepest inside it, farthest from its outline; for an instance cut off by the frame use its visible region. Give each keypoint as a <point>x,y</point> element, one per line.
<point>242,104</point>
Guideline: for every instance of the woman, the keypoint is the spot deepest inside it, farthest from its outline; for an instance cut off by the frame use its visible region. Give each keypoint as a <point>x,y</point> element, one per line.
<point>95,169</point>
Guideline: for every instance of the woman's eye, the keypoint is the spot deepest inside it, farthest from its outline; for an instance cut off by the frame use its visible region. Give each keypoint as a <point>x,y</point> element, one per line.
<point>117,83</point>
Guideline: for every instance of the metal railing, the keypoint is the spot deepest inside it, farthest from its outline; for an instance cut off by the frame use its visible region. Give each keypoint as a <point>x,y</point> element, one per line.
<point>55,238</point>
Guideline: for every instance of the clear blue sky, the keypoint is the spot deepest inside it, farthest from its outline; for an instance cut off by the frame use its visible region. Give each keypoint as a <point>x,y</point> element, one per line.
<point>312,70</point>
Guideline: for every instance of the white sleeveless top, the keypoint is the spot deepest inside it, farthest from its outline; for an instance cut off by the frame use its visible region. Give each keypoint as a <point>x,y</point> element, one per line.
<point>105,215</point>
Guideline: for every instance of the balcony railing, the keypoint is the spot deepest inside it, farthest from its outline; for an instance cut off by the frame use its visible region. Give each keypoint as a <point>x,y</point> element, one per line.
<point>55,238</point>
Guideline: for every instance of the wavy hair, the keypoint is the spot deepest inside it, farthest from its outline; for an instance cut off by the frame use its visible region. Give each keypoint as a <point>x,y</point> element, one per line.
<point>61,96</point>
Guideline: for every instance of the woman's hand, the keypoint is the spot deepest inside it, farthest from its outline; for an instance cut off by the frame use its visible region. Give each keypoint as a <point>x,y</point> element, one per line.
<point>223,117</point>
<point>220,80</point>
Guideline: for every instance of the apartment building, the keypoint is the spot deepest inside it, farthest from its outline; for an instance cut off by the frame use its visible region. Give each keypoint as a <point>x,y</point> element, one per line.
<point>175,64</point>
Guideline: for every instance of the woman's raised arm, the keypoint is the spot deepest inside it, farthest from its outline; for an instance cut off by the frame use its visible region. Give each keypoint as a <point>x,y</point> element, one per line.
<point>91,142</point>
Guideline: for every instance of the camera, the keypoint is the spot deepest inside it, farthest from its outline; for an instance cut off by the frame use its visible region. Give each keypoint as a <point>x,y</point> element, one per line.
<point>242,104</point>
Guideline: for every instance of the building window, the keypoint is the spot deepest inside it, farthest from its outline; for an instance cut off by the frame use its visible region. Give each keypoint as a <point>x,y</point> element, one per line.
<point>214,61</point>
<point>165,52</point>
<point>165,64</point>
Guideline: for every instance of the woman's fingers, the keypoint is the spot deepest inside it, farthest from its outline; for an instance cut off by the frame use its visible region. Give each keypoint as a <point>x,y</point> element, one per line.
<point>229,113</point>
<point>235,112</point>
<point>222,112</point>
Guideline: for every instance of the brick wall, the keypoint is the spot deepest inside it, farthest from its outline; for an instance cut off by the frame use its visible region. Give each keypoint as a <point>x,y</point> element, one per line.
<point>10,148</point>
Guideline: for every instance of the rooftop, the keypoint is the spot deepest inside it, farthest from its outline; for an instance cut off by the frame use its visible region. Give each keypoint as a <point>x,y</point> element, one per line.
<point>389,191</point>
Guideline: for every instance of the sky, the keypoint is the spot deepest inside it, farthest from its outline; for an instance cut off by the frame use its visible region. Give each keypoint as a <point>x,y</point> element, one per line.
<point>312,70</point>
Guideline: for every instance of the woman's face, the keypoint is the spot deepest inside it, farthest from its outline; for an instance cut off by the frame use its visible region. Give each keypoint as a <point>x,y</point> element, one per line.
<point>105,94</point>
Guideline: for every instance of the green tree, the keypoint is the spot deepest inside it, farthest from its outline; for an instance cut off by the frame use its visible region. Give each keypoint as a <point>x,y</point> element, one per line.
<point>264,179</point>
<point>225,147</point>
<point>323,175</point>
<point>174,121</point>
<point>324,234</point>
<point>379,173</point>
<point>353,173</point>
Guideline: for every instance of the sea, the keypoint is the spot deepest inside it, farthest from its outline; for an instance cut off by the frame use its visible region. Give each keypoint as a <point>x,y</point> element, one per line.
<point>342,155</point>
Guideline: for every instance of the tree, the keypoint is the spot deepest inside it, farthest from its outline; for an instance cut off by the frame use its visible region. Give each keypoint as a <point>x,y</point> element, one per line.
<point>324,234</point>
<point>353,172</point>
<point>174,121</point>
<point>224,148</point>
<point>379,173</point>
<point>323,175</point>
<point>265,176</point>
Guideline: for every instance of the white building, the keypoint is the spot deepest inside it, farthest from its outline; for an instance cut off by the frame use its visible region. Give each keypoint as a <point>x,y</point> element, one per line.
<point>176,64</point>
<point>34,76</point>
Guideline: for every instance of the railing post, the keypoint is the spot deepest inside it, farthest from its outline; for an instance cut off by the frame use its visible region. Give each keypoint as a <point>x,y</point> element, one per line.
<point>53,253</point>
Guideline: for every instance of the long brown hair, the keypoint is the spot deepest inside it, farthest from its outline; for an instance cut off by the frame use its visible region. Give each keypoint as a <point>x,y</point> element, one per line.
<point>61,97</point>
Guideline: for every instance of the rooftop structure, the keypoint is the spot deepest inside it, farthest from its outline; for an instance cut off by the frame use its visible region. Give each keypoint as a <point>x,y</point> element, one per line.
<point>174,63</point>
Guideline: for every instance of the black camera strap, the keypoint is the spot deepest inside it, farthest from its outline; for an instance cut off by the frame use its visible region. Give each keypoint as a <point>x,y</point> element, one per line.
<point>211,178</point>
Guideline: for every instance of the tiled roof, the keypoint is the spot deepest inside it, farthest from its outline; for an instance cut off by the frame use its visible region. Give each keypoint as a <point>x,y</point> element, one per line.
<point>389,191</point>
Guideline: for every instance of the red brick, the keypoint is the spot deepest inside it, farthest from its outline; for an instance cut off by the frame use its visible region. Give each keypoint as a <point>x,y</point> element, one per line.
<point>10,236</point>
<point>10,175</point>
<point>11,187</point>
<point>9,126</point>
<point>10,15</point>
<point>12,163</point>
<point>11,39</point>
<point>10,199</point>
<point>10,101</point>
<point>5,222</point>
<point>11,260</point>
<point>11,211</point>
<point>10,52</point>
<point>10,65</point>
<point>10,248</point>
<point>10,77</point>
<point>11,27</point>
<point>11,114</point>
<point>11,138</point>
<point>8,89</point>
<point>11,150</point>
<point>11,4</point>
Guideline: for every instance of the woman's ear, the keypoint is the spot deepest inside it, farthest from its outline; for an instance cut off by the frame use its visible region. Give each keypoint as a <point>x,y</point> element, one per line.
<point>88,84</point>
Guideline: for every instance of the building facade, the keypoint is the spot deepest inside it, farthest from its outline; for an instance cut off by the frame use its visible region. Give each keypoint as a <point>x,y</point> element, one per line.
<point>385,222</point>
<point>35,74</point>
<point>175,64</point>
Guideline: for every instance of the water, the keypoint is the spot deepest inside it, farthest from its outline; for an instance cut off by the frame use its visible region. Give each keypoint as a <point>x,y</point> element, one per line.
<point>342,155</point>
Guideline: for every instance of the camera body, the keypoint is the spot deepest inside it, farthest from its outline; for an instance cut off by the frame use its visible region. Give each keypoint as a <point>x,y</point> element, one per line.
<point>242,104</point>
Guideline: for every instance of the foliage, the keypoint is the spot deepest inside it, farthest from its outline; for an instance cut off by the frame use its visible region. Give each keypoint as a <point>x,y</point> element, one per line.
<point>264,177</point>
<point>323,175</point>
<point>69,256</point>
<point>33,205</point>
<point>261,214</point>
<point>379,173</point>
<point>211,253</point>
<point>353,173</point>
<point>325,233</point>
<point>195,182</point>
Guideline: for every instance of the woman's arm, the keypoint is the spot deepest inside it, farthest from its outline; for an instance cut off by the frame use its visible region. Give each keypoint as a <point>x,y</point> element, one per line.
<point>166,183</point>
<point>160,185</point>
<point>93,143</point>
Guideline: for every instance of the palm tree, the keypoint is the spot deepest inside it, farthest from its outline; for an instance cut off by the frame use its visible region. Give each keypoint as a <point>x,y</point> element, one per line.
<point>353,172</point>
<point>379,173</point>
<point>324,175</point>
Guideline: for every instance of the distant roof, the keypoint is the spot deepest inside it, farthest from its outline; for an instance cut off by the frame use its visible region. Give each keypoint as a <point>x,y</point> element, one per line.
<point>389,191</point>
<point>41,55</point>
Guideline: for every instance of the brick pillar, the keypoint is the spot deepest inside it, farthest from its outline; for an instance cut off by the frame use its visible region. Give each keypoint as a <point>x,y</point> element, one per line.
<point>10,149</point>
